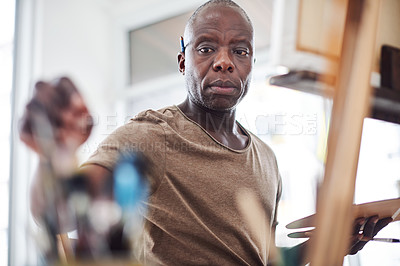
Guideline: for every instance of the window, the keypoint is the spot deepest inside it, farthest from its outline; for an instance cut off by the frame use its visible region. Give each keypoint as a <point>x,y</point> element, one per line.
<point>153,49</point>
<point>294,124</point>
<point>378,179</point>
<point>6,65</point>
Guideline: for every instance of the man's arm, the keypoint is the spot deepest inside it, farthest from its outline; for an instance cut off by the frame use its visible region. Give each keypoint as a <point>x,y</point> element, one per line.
<point>55,123</point>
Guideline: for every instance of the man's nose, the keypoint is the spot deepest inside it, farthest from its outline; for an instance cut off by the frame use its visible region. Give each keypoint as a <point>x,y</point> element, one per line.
<point>223,61</point>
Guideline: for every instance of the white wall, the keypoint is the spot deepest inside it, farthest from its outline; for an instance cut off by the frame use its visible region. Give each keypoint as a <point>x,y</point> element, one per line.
<point>75,40</point>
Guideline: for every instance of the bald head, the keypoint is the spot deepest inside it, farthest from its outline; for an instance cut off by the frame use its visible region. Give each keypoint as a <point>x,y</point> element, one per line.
<point>209,4</point>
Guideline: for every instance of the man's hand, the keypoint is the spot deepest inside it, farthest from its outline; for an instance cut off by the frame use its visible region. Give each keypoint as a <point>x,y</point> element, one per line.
<point>365,229</point>
<point>55,123</point>
<point>56,114</point>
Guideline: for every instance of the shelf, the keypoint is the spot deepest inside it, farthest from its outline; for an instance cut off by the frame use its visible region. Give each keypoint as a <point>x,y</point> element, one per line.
<point>385,103</point>
<point>306,81</point>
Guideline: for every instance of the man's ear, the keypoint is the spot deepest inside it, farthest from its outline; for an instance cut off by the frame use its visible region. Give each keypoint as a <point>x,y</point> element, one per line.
<point>181,62</point>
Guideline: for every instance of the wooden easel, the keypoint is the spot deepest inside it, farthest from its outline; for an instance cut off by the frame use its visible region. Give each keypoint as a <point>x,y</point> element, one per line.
<point>350,107</point>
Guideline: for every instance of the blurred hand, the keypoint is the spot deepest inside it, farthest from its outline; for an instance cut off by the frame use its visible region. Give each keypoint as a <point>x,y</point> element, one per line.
<point>55,118</point>
<point>364,229</point>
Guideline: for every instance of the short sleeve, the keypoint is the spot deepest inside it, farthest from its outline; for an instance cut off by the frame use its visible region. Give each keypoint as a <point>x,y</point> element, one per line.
<point>141,137</point>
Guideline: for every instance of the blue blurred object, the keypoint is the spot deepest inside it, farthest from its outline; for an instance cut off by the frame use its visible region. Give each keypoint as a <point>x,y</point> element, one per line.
<point>130,184</point>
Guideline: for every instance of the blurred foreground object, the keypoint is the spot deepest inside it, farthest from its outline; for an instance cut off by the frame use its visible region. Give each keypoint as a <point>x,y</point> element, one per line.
<point>109,225</point>
<point>56,118</point>
<point>55,123</point>
<point>256,218</point>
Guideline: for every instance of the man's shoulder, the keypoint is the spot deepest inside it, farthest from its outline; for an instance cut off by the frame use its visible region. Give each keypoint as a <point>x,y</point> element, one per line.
<point>145,133</point>
<point>261,144</point>
<point>149,122</point>
<point>150,116</point>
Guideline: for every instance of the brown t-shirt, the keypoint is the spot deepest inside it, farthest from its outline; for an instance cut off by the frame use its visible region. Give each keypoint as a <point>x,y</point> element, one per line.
<point>193,216</point>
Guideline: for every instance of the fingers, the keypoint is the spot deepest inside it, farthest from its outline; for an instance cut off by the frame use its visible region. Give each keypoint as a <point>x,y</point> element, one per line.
<point>381,224</point>
<point>76,122</point>
<point>356,245</point>
<point>357,225</point>
<point>64,90</point>
<point>371,227</point>
<point>56,94</point>
<point>60,103</point>
<point>29,141</point>
<point>77,116</point>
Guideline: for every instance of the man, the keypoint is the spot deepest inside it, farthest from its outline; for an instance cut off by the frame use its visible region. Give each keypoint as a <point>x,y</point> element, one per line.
<point>199,157</point>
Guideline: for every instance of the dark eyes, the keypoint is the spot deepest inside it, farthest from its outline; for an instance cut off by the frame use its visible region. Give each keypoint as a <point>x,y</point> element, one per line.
<point>240,52</point>
<point>206,50</point>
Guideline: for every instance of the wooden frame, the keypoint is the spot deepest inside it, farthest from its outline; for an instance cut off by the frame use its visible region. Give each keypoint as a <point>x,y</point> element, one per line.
<point>310,33</point>
<point>350,107</point>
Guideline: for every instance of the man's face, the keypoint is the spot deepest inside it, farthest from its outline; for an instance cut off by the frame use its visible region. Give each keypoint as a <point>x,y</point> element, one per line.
<point>218,59</point>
